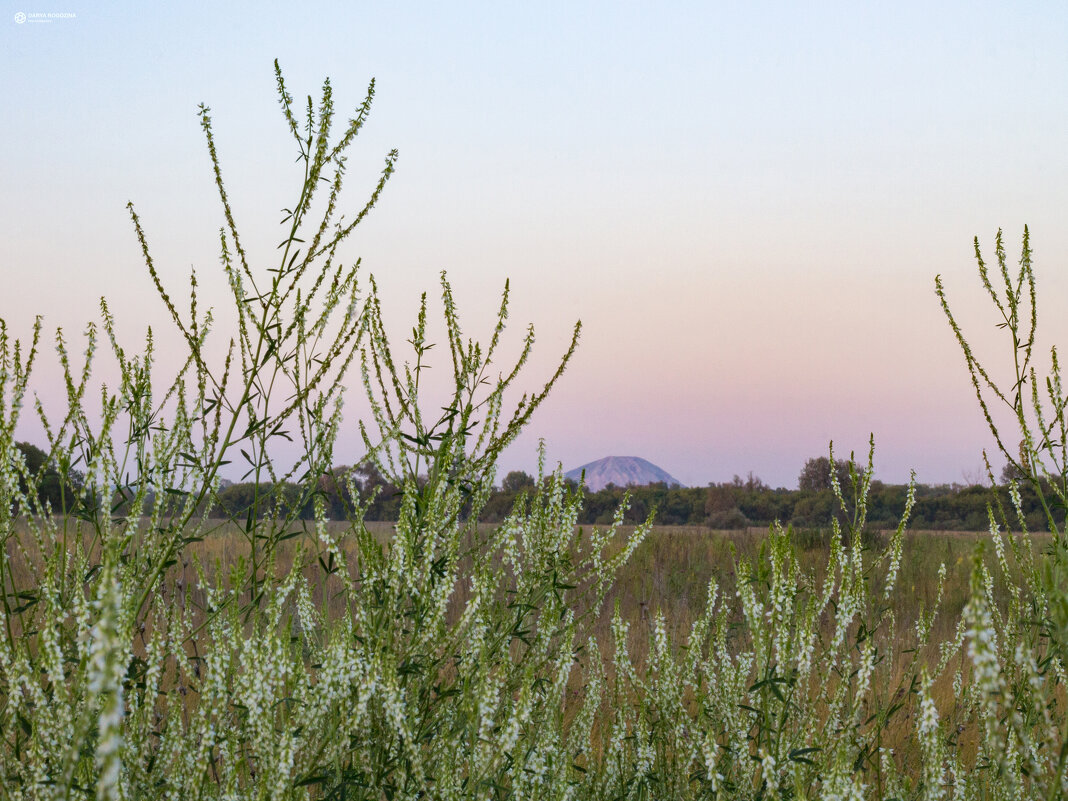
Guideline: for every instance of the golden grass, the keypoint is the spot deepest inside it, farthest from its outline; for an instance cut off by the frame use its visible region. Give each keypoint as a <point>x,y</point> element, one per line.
<point>669,574</point>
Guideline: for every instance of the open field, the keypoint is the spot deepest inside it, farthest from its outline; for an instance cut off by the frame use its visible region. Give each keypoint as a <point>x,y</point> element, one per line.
<point>670,570</point>
<point>669,573</point>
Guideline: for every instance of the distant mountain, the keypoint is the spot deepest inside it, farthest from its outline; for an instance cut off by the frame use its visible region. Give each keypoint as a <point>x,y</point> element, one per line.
<point>623,471</point>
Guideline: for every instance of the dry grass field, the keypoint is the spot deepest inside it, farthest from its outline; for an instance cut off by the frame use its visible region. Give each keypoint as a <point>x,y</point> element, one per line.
<point>669,573</point>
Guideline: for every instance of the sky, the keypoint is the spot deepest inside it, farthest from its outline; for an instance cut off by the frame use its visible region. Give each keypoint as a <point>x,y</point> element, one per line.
<point>746,204</point>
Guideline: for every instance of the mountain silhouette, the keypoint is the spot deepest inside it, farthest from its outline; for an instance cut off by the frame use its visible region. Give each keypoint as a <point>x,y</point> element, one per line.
<point>623,471</point>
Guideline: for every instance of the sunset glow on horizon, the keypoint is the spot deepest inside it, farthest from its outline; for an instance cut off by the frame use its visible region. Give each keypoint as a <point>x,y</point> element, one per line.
<point>746,206</point>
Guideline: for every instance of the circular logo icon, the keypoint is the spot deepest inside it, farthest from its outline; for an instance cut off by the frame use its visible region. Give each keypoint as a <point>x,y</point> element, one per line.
<point>20,17</point>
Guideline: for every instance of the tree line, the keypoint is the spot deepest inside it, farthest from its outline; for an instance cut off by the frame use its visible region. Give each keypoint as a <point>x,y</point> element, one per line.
<point>746,502</point>
<point>736,504</point>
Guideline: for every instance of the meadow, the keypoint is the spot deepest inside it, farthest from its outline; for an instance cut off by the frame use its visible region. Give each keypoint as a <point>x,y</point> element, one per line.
<point>150,650</point>
<point>668,573</point>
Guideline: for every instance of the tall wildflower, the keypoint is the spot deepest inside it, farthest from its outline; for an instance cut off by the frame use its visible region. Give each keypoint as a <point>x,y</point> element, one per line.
<point>106,670</point>
<point>930,737</point>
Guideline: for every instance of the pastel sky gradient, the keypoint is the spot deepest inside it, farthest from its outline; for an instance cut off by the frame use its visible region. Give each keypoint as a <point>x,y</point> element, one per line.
<point>745,203</point>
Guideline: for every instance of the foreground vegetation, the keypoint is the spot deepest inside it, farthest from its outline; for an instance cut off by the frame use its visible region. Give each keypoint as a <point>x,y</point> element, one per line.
<point>442,658</point>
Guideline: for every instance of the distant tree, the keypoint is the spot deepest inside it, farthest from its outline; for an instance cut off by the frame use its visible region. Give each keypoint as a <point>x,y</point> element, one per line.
<point>814,511</point>
<point>816,474</point>
<point>268,499</point>
<point>387,497</point>
<point>50,486</point>
<point>720,498</point>
<point>750,483</point>
<point>731,519</point>
<point>1011,472</point>
<point>34,456</point>
<point>333,487</point>
<point>517,481</point>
